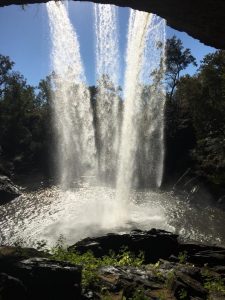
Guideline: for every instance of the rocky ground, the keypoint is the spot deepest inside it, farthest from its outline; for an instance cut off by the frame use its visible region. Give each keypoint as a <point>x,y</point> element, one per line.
<point>170,270</point>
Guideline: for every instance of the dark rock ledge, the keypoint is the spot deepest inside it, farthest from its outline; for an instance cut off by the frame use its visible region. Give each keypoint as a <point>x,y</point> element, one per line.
<point>8,190</point>
<point>30,274</point>
<point>172,270</point>
<point>204,20</point>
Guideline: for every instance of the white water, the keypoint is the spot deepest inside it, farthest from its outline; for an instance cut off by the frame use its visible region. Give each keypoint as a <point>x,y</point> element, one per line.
<point>137,156</point>
<point>86,211</point>
<point>141,149</point>
<point>71,100</point>
<point>107,69</point>
<point>92,209</point>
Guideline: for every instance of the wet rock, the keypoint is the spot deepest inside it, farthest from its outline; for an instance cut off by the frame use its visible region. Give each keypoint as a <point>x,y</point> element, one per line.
<point>10,255</point>
<point>164,280</point>
<point>220,270</point>
<point>216,296</point>
<point>44,278</point>
<point>191,285</point>
<point>154,243</point>
<point>11,288</point>
<point>209,257</point>
<point>8,191</point>
<point>48,279</point>
<point>127,280</point>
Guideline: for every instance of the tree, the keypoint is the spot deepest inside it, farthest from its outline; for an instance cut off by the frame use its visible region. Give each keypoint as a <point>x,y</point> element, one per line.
<point>208,100</point>
<point>24,118</point>
<point>16,110</point>
<point>45,91</point>
<point>203,97</point>
<point>6,66</point>
<point>180,136</point>
<point>178,59</point>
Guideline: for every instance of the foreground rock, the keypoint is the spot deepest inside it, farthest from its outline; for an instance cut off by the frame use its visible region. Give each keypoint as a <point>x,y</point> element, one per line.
<point>163,281</point>
<point>26,274</point>
<point>171,271</point>
<point>154,243</point>
<point>8,191</point>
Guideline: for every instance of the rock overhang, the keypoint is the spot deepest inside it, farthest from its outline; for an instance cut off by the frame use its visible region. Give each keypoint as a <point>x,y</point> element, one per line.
<point>203,20</point>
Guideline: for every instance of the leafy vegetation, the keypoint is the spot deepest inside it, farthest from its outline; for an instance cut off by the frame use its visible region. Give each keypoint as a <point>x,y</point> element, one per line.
<point>182,257</point>
<point>178,59</point>
<point>212,283</point>
<point>195,113</point>
<point>25,118</point>
<point>91,264</point>
<point>138,295</point>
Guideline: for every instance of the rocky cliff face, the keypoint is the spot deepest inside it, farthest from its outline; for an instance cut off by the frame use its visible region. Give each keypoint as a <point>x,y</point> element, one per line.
<point>203,20</point>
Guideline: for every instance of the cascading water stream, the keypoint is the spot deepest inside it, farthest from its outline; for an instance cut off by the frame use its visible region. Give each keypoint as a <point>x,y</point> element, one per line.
<point>141,150</point>
<point>71,100</point>
<point>107,102</point>
<point>136,155</point>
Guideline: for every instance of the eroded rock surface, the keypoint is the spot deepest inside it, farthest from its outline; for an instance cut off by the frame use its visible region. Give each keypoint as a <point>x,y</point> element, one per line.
<point>154,243</point>
<point>203,20</point>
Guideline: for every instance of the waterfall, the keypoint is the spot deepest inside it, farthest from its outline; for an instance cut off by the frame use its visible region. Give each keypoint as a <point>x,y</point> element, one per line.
<point>107,102</point>
<point>129,141</point>
<point>71,100</point>
<point>141,150</point>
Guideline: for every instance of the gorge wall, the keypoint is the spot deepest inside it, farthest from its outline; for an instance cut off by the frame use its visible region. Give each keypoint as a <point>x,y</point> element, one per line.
<point>203,20</point>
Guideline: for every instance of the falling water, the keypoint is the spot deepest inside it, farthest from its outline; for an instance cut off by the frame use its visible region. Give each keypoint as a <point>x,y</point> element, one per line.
<point>89,210</point>
<point>141,150</point>
<point>107,108</point>
<point>71,100</point>
<point>137,154</point>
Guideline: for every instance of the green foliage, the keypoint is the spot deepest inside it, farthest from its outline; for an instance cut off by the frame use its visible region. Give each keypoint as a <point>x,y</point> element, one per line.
<point>213,283</point>
<point>6,66</point>
<point>183,295</point>
<point>24,117</point>
<point>182,257</point>
<point>155,268</point>
<point>170,279</point>
<point>91,264</point>
<point>196,109</point>
<point>178,59</point>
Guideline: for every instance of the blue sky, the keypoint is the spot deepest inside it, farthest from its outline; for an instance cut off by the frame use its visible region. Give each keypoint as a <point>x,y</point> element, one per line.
<point>25,38</point>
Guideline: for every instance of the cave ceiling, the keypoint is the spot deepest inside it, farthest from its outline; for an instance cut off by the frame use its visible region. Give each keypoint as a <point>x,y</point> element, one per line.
<point>201,19</point>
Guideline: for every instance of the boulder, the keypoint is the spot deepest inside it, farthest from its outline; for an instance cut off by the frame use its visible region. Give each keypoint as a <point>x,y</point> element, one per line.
<point>154,243</point>
<point>209,257</point>
<point>191,285</point>
<point>8,190</point>
<point>36,276</point>
<point>46,279</point>
<point>11,288</point>
<point>200,255</point>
